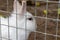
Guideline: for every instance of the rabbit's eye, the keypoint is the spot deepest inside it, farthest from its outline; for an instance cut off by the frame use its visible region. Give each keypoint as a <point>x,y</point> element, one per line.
<point>30,18</point>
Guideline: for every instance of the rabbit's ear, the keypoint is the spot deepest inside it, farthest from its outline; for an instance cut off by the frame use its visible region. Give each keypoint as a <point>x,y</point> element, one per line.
<point>23,10</point>
<point>17,6</point>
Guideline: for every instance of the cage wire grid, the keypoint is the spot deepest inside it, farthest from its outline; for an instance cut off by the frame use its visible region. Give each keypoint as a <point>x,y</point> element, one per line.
<point>1,38</point>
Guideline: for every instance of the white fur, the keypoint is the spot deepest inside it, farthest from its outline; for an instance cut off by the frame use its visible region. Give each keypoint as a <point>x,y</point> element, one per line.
<point>22,23</point>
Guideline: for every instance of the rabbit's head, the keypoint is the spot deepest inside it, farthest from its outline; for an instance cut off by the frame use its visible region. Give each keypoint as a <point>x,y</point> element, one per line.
<point>24,15</point>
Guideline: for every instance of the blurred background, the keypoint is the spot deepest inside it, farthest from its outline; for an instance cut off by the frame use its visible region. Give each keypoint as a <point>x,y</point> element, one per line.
<point>46,13</point>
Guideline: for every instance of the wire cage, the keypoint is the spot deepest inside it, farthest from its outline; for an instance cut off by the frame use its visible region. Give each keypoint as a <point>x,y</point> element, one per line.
<point>46,14</point>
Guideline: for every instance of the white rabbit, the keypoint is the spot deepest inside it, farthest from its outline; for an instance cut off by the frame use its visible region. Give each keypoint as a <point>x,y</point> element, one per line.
<point>27,23</point>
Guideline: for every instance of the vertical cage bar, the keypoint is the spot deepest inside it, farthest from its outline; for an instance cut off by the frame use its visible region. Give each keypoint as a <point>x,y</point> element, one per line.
<point>35,19</point>
<point>46,19</point>
<point>8,21</point>
<point>25,16</point>
<point>57,21</point>
<point>16,22</point>
<point>0,30</point>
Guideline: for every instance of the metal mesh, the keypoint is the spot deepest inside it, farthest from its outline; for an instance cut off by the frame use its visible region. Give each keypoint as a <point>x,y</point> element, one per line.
<point>45,18</point>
